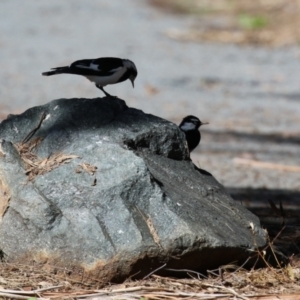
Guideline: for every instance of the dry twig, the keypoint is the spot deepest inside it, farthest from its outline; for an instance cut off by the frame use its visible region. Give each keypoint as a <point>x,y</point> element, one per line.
<point>31,133</point>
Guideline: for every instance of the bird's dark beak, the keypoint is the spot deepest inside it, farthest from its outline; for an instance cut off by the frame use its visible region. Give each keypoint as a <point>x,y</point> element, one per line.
<point>132,81</point>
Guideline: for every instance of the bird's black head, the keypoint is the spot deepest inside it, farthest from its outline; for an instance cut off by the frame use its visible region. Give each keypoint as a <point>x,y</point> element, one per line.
<point>132,70</point>
<point>190,123</point>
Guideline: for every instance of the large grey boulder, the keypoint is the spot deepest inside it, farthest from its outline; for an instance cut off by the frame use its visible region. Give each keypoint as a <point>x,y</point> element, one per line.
<point>121,196</point>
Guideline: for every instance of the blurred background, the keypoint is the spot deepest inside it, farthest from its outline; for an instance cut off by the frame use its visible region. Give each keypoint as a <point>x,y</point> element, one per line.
<point>234,64</point>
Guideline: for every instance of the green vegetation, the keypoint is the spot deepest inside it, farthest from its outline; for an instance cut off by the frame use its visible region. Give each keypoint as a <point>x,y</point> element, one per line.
<point>252,22</point>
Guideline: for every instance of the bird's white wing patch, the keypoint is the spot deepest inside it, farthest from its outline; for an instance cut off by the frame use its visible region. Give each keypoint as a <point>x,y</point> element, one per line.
<point>82,66</point>
<point>91,67</point>
<point>94,67</point>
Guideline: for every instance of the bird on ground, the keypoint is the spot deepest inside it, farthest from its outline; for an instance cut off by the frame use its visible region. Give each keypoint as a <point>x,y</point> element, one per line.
<point>102,71</point>
<point>190,126</point>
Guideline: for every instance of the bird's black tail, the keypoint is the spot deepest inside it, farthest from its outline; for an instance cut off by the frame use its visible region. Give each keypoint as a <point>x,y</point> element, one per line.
<point>60,70</point>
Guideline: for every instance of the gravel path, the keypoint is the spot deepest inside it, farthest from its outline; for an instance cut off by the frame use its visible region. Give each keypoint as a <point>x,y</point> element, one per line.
<point>249,95</point>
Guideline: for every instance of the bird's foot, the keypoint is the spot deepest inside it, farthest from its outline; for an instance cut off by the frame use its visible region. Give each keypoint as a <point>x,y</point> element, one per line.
<point>106,94</point>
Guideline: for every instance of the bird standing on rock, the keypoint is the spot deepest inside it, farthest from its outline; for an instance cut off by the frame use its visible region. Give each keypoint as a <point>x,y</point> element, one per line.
<point>190,126</point>
<point>102,71</point>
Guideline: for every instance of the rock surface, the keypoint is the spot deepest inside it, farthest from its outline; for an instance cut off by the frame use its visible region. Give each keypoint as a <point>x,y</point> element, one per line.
<point>127,201</point>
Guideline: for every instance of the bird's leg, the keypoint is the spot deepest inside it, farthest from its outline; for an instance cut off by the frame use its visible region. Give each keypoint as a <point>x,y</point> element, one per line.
<point>102,89</point>
<point>106,94</point>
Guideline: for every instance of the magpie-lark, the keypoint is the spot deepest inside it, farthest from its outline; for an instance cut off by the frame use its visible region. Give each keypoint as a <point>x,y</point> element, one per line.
<point>190,126</point>
<point>101,71</point>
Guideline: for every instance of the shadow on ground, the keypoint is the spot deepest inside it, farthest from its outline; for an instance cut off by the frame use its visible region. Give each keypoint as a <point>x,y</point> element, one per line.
<point>278,211</point>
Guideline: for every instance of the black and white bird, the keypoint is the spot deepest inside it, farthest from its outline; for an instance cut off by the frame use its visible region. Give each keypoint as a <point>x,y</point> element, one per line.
<point>102,71</point>
<point>190,126</point>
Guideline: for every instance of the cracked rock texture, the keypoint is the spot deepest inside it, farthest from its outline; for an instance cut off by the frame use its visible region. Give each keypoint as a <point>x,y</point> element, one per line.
<point>145,203</point>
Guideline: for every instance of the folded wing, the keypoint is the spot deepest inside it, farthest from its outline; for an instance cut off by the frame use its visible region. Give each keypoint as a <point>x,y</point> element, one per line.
<point>104,66</point>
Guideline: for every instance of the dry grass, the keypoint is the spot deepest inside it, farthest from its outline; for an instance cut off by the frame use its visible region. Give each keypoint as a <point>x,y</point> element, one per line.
<point>31,281</point>
<point>34,165</point>
<point>261,22</point>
